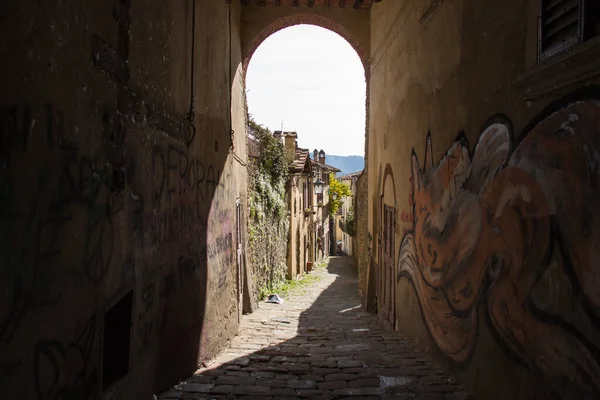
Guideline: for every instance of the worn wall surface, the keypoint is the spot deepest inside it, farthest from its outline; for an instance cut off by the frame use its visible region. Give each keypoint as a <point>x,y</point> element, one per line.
<point>361,255</point>
<point>110,197</point>
<point>496,240</point>
<point>268,237</point>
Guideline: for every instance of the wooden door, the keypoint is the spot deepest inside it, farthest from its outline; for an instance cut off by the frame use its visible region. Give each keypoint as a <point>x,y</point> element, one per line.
<point>386,281</point>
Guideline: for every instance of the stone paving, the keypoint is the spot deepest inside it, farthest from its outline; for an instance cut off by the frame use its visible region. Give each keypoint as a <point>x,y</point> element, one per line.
<point>319,345</point>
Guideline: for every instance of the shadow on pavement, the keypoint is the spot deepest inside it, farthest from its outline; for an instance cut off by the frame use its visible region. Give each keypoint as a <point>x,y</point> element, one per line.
<point>319,344</point>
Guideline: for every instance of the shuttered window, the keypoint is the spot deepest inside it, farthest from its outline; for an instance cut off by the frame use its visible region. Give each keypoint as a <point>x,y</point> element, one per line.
<point>565,23</point>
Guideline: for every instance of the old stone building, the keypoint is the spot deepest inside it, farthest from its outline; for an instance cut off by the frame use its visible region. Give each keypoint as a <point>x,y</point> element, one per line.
<point>298,194</point>
<point>344,218</point>
<point>322,220</point>
<point>123,187</point>
<point>308,205</point>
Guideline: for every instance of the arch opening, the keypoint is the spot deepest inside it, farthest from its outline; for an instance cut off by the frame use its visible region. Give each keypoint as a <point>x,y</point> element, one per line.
<point>310,79</point>
<point>313,239</point>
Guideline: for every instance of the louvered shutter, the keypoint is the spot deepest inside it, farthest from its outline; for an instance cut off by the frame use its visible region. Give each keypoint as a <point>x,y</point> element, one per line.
<point>560,26</point>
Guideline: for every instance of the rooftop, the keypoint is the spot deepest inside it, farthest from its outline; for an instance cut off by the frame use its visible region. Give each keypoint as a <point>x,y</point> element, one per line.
<point>300,157</point>
<point>351,175</point>
<point>325,166</point>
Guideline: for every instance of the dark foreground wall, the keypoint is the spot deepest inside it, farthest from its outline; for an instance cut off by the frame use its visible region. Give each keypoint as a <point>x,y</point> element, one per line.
<point>118,272</point>
<point>489,162</point>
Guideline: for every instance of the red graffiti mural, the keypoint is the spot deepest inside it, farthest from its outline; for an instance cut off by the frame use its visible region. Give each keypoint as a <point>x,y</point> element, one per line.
<point>515,230</point>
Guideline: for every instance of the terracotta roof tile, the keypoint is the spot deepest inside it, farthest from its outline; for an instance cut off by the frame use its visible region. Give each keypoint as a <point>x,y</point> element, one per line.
<point>300,156</point>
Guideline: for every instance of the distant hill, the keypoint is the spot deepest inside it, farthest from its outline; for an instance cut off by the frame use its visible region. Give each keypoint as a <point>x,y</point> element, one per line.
<point>347,164</point>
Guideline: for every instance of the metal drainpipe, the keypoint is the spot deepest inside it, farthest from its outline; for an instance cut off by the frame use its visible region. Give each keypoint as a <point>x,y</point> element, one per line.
<point>190,115</point>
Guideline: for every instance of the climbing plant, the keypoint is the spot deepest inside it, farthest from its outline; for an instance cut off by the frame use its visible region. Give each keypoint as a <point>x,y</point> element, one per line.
<point>337,190</point>
<point>268,193</point>
<point>268,225</point>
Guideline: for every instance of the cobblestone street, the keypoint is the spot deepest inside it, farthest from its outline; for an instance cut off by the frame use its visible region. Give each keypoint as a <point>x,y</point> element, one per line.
<point>319,344</point>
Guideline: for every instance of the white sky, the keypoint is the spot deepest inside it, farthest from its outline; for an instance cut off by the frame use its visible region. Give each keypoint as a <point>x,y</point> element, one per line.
<point>311,79</point>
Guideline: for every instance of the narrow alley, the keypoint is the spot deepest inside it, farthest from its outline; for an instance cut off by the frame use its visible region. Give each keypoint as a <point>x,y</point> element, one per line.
<point>147,204</point>
<point>319,344</point>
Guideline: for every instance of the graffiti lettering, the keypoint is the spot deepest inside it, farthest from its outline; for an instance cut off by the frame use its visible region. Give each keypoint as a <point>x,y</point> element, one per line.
<point>160,287</point>
<point>180,188</point>
<point>175,173</point>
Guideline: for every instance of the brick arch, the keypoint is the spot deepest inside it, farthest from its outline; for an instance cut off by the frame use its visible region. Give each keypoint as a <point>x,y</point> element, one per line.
<point>306,19</point>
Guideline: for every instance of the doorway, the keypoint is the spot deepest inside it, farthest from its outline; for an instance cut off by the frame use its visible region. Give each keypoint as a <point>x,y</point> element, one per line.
<point>386,278</point>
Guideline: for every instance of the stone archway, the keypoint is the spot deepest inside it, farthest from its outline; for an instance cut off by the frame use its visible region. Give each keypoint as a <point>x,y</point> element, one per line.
<point>258,25</point>
<point>260,22</point>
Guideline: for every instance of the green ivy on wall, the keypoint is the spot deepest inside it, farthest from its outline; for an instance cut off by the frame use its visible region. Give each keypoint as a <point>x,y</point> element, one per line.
<point>268,193</point>
<point>268,225</point>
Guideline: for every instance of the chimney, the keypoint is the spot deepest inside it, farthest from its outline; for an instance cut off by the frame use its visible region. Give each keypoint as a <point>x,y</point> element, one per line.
<point>316,155</point>
<point>278,135</point>
<point>321,157</point>
<point>290,144</point>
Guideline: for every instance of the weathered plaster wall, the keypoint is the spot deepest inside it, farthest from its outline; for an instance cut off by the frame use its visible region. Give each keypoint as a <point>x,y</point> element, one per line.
<point>107,193</point>
<point>360,241</point>
<point>495,243</point>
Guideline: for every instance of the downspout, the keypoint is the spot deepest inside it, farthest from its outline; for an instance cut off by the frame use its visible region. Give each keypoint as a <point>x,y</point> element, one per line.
<point>190,114</point>
<point>231,131</point>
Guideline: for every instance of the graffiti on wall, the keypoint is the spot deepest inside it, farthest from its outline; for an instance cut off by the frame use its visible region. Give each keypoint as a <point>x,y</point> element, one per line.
<point>159,286</point>
<point>513,227</point>
<point>65,370</point>
<point>220,247</point>
<point>69,192</point>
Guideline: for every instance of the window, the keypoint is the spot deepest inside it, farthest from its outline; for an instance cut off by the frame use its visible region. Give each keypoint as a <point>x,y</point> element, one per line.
<point>565,23</point>
<point>117,332</point>
<point>304,195</point>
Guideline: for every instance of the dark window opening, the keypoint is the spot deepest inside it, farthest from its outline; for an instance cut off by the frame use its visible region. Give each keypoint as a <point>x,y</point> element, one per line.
<point>591,24</point>
<point>117,341</point>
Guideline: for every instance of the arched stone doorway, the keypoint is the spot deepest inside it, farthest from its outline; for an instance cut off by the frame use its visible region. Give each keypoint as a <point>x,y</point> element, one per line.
<point>387,246</point>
